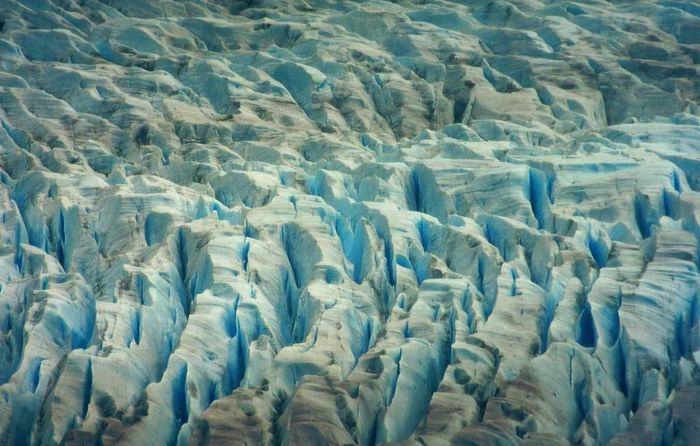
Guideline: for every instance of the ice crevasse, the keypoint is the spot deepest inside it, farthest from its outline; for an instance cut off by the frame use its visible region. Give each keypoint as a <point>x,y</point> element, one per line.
<point>320,222</point>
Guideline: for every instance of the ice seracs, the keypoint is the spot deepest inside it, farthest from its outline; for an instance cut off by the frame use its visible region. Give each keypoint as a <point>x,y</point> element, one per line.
<point>336,222</point>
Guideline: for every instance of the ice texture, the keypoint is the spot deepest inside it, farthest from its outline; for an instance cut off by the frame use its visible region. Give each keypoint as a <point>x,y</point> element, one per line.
<point>310,222</point>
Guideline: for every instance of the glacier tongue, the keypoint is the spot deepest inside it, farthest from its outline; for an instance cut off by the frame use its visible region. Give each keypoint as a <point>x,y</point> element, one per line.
<point>337,222</point>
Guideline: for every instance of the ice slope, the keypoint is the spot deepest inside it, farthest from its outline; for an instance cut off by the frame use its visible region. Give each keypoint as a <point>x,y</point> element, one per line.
<point>333,222</point>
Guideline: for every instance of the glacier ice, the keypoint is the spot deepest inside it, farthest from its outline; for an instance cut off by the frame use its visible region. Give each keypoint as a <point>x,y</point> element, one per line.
<point>349,222</point>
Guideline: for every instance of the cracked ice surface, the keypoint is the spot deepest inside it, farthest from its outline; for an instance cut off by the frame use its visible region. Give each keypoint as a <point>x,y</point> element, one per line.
<point>334,222</point>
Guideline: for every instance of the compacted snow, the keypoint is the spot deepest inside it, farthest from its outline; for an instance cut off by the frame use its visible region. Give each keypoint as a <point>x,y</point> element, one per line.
<point>337,222</point>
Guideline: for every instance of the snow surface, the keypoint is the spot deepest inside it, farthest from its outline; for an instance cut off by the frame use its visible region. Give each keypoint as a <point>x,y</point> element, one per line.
<point>334,222</point>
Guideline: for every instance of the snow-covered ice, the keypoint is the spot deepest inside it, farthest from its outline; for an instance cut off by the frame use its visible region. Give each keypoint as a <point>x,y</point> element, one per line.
<point>298,222</point>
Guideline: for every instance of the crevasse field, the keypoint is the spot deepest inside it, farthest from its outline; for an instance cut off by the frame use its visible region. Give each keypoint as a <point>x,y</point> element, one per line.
<point>288,222</point>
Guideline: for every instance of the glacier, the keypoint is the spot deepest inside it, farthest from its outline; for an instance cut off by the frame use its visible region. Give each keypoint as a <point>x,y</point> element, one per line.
<point>311,222</point>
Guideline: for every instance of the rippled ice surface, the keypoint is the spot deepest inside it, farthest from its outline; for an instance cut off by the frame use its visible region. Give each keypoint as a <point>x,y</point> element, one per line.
<point>334,222</point>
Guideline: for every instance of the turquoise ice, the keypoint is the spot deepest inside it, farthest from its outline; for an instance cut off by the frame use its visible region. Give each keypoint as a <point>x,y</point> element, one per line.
<point>342,222</point>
